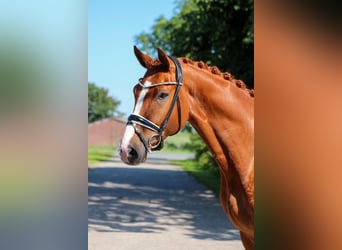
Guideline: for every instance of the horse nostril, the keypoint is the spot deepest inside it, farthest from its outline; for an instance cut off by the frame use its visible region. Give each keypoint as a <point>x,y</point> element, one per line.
<point>132,155</point>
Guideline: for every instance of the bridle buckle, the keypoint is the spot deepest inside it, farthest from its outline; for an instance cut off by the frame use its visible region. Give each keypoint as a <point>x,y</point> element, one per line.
<point>156,142</point>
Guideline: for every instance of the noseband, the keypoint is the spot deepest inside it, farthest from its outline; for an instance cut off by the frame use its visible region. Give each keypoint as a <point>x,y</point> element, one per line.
<point>135,119</point>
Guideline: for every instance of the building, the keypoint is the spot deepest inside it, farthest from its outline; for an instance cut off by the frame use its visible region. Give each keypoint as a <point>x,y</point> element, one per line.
<point>108,131</point>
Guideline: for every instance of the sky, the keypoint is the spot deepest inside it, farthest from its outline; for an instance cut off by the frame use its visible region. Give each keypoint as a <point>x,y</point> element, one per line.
<point>112,26</point>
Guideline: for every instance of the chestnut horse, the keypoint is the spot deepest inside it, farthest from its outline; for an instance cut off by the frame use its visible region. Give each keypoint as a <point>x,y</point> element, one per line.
<point>220,108</point>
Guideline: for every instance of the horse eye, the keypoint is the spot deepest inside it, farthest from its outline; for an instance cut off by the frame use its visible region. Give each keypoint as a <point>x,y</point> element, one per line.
<point>162,95</point>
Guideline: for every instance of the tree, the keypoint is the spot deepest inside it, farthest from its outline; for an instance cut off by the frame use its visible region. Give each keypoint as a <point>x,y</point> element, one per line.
<point>100,104</point>
<point>219,32</point>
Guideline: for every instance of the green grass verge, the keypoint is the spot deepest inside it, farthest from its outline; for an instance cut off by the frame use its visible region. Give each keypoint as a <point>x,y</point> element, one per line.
<point>176,143</point>
<point>100,153</point>
<point>209,177</point>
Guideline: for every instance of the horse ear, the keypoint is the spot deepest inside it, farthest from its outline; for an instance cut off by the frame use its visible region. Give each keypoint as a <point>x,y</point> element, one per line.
<point>145,60</point>
<point>163,58</point>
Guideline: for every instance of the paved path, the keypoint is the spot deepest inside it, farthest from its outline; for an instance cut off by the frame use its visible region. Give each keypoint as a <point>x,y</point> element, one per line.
<point>153,206</point>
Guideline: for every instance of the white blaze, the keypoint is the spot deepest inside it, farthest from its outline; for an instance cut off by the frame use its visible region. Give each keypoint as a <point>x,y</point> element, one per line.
<point>141,98</point>
<point>129,131</point>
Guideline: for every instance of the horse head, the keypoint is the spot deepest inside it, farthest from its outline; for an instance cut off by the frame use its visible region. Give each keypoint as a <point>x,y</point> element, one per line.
<point>160,109</point>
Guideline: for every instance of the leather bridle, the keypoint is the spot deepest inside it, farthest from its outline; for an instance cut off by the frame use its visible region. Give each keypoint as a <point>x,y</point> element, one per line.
<point>156,142</point>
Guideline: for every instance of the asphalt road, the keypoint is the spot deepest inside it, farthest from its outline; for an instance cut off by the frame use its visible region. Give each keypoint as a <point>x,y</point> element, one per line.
<point>154,206</point>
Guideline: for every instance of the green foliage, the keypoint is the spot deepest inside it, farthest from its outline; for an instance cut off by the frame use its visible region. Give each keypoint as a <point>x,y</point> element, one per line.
<point>219,32</point>
<point>176,143</point>
<point>100,104</point>
<point>203,157</point>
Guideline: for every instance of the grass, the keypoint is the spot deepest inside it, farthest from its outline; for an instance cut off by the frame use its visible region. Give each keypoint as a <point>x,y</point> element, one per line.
<point>209,177</point>
<point>176,142</point>
<point>100,153</point>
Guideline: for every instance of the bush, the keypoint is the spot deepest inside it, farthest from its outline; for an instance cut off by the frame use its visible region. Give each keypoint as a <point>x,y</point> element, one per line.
<point>203,157</point>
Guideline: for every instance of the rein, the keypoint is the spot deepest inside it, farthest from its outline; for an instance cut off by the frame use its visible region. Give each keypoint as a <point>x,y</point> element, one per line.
<point>135,119</point>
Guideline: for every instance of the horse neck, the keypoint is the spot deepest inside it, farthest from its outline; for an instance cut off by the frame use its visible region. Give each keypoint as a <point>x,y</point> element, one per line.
<point>223,115</point>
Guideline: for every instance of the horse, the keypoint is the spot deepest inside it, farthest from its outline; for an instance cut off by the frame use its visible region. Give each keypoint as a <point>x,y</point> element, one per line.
<point>175,91</point>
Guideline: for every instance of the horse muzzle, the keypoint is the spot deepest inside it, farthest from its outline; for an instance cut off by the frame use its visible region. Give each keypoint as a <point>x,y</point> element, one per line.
<point>132,155</point>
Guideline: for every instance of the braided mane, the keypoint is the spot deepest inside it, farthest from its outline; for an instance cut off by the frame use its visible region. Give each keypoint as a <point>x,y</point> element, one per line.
<point>215,70</point>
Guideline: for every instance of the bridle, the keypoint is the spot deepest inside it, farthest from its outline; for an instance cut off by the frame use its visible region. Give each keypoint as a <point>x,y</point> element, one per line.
<point>156,142</point>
